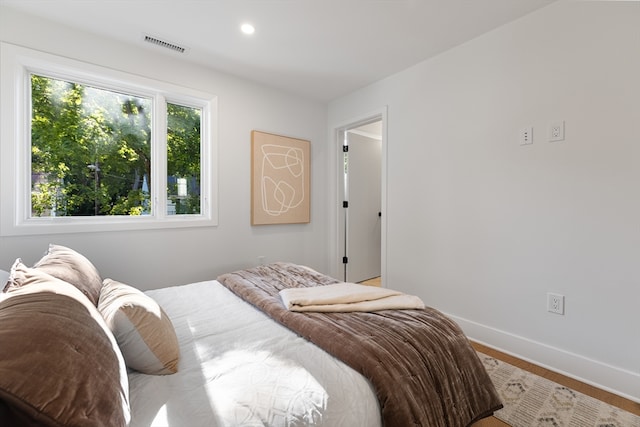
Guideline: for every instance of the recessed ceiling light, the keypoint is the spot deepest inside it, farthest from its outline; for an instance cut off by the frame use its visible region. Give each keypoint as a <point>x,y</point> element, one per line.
<point>247,28</point>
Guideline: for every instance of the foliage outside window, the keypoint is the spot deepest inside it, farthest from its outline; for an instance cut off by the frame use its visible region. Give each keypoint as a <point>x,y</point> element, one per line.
<point>91,152</point>
<point>85,148</point>
<point>183,159</point>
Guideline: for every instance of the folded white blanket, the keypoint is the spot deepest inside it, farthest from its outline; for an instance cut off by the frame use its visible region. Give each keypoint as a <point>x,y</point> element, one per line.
<point>345,297</point>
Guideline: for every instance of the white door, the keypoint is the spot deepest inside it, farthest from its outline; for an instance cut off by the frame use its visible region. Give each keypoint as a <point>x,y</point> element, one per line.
<point>364,208</point>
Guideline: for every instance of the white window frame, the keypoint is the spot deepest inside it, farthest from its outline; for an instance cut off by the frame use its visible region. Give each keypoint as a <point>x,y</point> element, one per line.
<point>16,66</point>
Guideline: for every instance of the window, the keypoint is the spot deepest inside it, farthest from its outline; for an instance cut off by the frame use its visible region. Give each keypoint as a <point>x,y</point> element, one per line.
<point>183,159</point>
<point>89,149</point>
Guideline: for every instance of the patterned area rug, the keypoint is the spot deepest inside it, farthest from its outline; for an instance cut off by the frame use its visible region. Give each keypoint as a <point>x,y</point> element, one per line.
<point>533,401</point>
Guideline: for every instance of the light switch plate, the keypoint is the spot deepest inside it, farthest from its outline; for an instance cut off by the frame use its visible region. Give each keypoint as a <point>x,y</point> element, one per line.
<point>526,136</point>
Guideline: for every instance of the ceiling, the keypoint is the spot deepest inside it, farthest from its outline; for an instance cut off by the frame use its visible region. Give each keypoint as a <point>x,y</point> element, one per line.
<point>321,49</point>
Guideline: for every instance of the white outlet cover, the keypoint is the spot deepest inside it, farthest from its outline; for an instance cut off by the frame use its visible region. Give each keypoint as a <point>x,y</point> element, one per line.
<point>556,131</point>
<point>555,303</point>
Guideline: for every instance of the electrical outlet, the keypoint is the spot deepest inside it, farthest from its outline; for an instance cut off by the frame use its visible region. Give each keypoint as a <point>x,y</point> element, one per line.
<point>556,131</point>
<point>526,136</point>
<point>555,303</point>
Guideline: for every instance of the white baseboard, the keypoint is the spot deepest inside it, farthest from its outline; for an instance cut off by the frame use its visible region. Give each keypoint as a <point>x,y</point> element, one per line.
<point>601,375</point>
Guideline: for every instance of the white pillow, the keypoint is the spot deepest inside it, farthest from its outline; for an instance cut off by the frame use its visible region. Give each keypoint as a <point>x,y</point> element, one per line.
<point>4,276</point>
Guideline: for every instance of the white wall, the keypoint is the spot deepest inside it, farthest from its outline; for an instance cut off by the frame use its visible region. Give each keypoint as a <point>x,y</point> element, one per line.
<point>150,259</point>
<point>482,228</point>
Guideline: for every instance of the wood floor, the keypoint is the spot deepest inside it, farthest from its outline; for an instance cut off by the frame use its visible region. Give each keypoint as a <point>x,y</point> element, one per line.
<point>578,386</point>
<point>376,281</point>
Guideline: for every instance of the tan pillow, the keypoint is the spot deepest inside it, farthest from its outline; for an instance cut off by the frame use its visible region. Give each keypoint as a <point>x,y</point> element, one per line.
<point>143,330</point>
<point>59,363</point>
<point>70,266</point>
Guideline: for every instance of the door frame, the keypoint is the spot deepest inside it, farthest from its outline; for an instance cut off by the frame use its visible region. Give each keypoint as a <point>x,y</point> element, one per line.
<point>338,133</point>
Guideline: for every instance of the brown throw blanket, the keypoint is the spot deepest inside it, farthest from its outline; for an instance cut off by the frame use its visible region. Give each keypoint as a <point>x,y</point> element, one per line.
<point>421,365</point>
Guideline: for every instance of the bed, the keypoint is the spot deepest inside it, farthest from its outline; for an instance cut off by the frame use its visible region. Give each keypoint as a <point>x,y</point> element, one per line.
<point>246,360</point>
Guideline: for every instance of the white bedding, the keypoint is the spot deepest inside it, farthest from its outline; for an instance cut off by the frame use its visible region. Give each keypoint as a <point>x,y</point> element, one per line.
<point>347,297</point>
<point>240,368</point>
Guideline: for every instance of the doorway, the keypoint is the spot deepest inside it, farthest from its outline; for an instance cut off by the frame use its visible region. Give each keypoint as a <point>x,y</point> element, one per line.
<point>362,194</point>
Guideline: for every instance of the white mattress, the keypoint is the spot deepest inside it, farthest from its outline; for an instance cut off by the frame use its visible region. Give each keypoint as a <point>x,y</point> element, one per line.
<point>240,368</point>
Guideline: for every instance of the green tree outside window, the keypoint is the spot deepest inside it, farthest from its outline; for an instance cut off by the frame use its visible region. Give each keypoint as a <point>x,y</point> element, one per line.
<point>91,152</point>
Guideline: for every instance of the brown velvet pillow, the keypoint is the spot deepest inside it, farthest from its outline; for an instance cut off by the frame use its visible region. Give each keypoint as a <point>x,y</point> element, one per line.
<point>142,329</point>
<point>72,267</point>
<point>59,363</point>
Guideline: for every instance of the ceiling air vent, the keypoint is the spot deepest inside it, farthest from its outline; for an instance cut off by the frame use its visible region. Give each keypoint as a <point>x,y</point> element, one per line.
<point>162,43</point>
